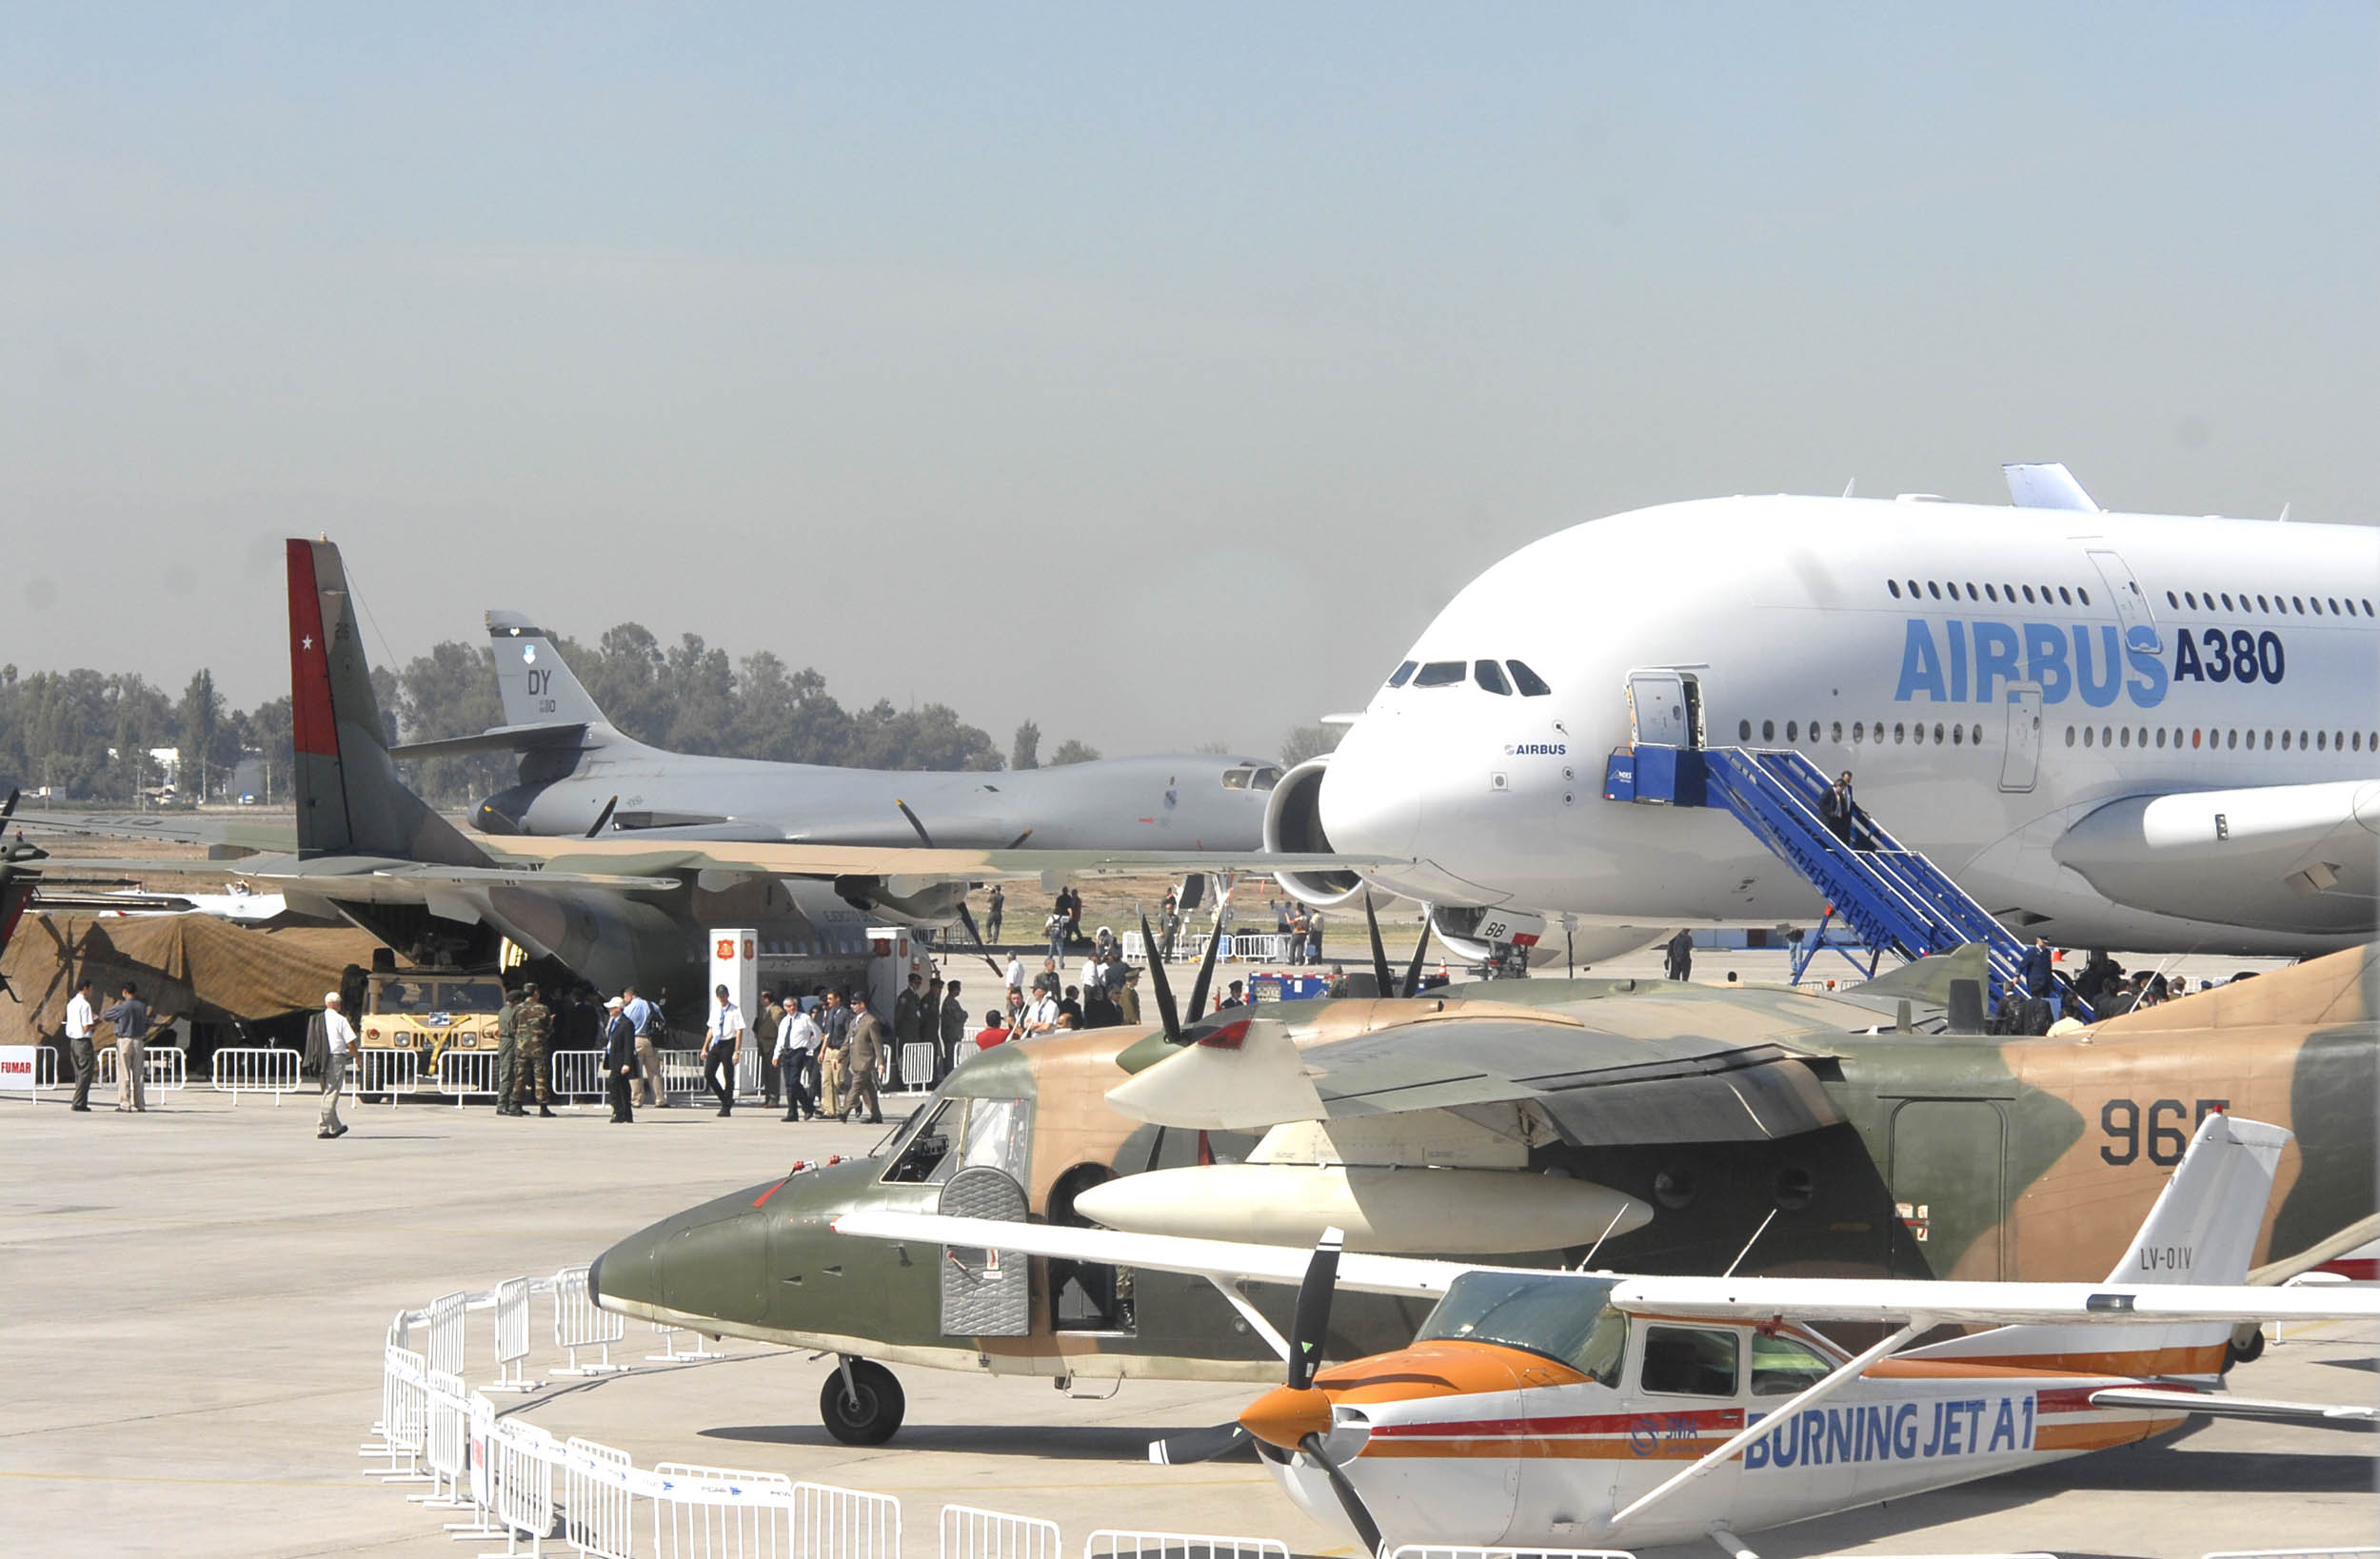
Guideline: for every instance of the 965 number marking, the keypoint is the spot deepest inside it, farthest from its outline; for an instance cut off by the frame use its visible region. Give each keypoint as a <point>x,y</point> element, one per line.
<point>2121,1119</point>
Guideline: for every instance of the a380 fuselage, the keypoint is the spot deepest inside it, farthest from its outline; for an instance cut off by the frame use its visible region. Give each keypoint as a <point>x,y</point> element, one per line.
<point>1905,642</point>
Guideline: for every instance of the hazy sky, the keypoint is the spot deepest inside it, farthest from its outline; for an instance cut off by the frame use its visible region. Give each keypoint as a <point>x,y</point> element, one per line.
<point>1154,375</point>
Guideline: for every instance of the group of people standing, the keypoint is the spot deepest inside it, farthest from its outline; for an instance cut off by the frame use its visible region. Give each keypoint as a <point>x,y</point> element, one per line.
<point>129,1018</point>
<point>1302,925</point>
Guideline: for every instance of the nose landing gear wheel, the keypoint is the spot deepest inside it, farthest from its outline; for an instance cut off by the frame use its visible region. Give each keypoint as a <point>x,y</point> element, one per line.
<point>862,1403</point>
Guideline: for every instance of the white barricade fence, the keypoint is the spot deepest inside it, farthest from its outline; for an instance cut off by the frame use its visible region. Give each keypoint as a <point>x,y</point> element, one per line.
<point>671,1353</point>
<point>1257,947</point>
<point>389,1071</point>
<point>511,1331</point>
<point>917,1067</point>
<point>577,1073</point>
<point>521,1458</point>
<point>243,1070</point>
<point>830,1523</point>
<point>45,1064</point>
<point>597,1501</point>
<point>163,1068</point>
<point>970,1533</point>
<point>479,1429</point>
<point>461,1072</point>
<point>404,1415</point>
<point>445,1442</point>
<point>1117,1543</point>
<point>680,1071</point>
<point>578,1324</point>
<point>716,1510</point>
<point>749,1083</point>
<point>444,1317</point>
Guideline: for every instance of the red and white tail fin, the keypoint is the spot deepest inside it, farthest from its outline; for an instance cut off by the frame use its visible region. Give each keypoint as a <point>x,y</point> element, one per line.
<point>2202,1231</point>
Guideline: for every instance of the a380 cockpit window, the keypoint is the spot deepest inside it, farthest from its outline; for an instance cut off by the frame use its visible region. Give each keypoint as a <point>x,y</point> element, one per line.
<point>1561,1315</point>
<point>1530,684</point>
<point>1251,776</point>
<point>1491,676</point>
<point>1441,674</point>
<point>1401,675</point>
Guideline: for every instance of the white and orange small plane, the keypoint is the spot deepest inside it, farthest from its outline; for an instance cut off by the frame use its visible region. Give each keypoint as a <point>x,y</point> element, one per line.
<point>1551,1409</point>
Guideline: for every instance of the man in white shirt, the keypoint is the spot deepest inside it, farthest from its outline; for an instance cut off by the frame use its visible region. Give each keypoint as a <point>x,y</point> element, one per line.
<point>798,1038</point>
<point>81,1017</point>
<point>1015,973</point>
<point>719,1054</point>
<point>330,1038</point>
<point>1042,1015</point>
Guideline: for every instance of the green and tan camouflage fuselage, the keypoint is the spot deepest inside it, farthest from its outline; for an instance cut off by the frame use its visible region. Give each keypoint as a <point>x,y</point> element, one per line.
<point>1965,1156</point>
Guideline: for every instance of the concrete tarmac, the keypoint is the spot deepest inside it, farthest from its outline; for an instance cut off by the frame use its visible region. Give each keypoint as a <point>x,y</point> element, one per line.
<point>195,1304</point>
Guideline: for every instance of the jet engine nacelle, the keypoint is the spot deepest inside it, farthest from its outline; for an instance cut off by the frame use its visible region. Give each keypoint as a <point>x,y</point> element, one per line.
<point>1293,823</point>
<point>1477,935</point>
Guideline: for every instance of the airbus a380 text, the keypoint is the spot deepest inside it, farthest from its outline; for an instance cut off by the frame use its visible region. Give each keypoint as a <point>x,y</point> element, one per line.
<point>2138,731</point>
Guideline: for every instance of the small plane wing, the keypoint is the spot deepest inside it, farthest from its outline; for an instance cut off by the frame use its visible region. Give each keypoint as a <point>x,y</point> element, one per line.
<point>1893,1300</point>
<point>915,864</point>
<point>1225,1261</point>
<point>2223,1405</point>
<point>209,828</point>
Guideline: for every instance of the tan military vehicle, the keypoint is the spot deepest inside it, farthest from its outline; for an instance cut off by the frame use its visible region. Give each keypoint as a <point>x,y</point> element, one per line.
<point>425,1014</point>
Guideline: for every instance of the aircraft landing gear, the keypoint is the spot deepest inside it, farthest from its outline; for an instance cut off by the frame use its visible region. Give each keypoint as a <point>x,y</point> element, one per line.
<point>862,1403</point>
<point>2246,1346</point>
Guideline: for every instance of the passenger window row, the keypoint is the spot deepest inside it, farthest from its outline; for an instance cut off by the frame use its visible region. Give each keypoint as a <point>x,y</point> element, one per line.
<point>2204,601</point>
<point>1948,589</point>
<point>1488,673</point>
<point>2122,736</point>
<point>1907,733</point>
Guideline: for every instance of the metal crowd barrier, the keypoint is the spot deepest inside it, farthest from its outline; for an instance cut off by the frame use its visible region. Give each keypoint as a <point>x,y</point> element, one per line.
<point>970,1533</point>
<point>595,1492</point>
<point>578,1324</point>
<point>162,1068</point>
<point>463,1073</point>
<point>671,1353</point>
<point>245,1070</point>
<point>388,1072</point>
<point>444,1320</point>
<point>917,1067</point>
<point>45,1069</point>
<point>511,1329</point>
<point>576,1073</point>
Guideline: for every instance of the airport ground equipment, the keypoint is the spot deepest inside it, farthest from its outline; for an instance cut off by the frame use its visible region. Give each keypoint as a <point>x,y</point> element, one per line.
<point>1893,897</point>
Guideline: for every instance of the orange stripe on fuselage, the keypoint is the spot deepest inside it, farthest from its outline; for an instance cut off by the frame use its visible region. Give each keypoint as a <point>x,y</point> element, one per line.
<point>1593,1450</point>
<point>2100,1436</point>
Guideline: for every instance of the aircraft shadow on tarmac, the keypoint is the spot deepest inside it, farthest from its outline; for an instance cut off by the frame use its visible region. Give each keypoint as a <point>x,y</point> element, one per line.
<point>1078,1442</point>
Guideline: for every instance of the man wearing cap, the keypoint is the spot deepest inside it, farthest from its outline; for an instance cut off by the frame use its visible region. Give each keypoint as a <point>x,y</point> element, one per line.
<point>619,1060</point>
<point>329,1038</point>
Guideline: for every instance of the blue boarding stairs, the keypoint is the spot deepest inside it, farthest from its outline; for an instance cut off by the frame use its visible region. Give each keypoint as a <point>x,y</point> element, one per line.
<point>1897,899</point>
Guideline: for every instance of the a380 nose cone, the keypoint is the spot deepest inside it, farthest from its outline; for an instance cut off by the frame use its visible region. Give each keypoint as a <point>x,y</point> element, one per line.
<point>1285,1416</point>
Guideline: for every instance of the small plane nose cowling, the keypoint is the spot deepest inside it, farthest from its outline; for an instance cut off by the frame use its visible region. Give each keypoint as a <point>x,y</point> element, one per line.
<point>1285,1416</point>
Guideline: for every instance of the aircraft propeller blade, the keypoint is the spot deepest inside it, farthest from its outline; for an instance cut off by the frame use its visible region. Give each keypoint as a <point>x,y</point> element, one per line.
<point>924,838</point>
<point>1379,954</point>
<point>1167,1012</point>
<point>1206,974</point>
<point>1018,843</point>
<point>602,817</point>
<point>1197,1445</point>
<point>1420,950</point>
<point>1358,1516</point>
<point>1311,1320</point>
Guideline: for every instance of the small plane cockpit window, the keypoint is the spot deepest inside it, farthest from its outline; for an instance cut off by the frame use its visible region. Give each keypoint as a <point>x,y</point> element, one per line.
<point>1561,1315</point>
<point>1398,677</point>
<point>1690,1360</point>
<point>925,1156</point>
<point>1530,684</point>
<point>1441,674</point>
<point>1490,677</point>
<point>1780,1366</point>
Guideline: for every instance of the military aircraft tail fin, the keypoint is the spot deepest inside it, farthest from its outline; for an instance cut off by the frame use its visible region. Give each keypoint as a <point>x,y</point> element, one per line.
<point>536,687</point>
<point>349,800</point>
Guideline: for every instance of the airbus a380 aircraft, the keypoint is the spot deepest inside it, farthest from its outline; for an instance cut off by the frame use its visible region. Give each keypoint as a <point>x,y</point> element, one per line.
<point>2135,731</point>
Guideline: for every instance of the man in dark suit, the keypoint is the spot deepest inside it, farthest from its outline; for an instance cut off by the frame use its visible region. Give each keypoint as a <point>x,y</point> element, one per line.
<point>619,1063</point>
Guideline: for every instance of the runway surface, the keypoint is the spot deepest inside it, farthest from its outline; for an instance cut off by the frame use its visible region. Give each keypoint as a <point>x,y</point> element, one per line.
<point>195,1303</point>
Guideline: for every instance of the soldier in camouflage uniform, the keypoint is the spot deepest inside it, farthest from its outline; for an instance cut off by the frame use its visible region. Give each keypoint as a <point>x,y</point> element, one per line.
<point>507,1052</point>
<point>533,1021</point>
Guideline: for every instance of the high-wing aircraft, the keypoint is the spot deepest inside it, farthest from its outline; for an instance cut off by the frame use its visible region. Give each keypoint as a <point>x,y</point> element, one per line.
<point>1566,1409</point>
<point>2133,731</point>
<point>616,910</point>
<point>1662,1126</point>
<point>580,776</point>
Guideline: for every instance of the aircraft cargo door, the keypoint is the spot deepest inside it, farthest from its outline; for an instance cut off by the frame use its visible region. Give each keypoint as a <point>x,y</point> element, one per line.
<point>1949,1159</point>
<point>2021,760</point>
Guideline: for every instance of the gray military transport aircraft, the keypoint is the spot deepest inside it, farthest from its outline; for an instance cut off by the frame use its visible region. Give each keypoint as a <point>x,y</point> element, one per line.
<point>581,775</point>
<point>615,910</point>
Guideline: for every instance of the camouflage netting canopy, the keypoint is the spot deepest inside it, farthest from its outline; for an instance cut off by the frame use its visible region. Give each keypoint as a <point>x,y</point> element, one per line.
<point>186,966</point>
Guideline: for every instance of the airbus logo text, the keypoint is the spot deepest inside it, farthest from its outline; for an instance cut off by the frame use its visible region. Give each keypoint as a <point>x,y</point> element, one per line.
<point>1971,663</point>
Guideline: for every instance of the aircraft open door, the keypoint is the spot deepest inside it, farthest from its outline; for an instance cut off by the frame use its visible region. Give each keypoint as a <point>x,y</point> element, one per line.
<point>2020,760</point>
<point>1665,708</point>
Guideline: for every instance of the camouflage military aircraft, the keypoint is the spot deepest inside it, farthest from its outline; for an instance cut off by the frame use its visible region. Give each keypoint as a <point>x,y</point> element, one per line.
<point>1649,1126</point>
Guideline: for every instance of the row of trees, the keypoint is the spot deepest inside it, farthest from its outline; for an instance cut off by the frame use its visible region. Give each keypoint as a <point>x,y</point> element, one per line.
<point>86,734</point>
